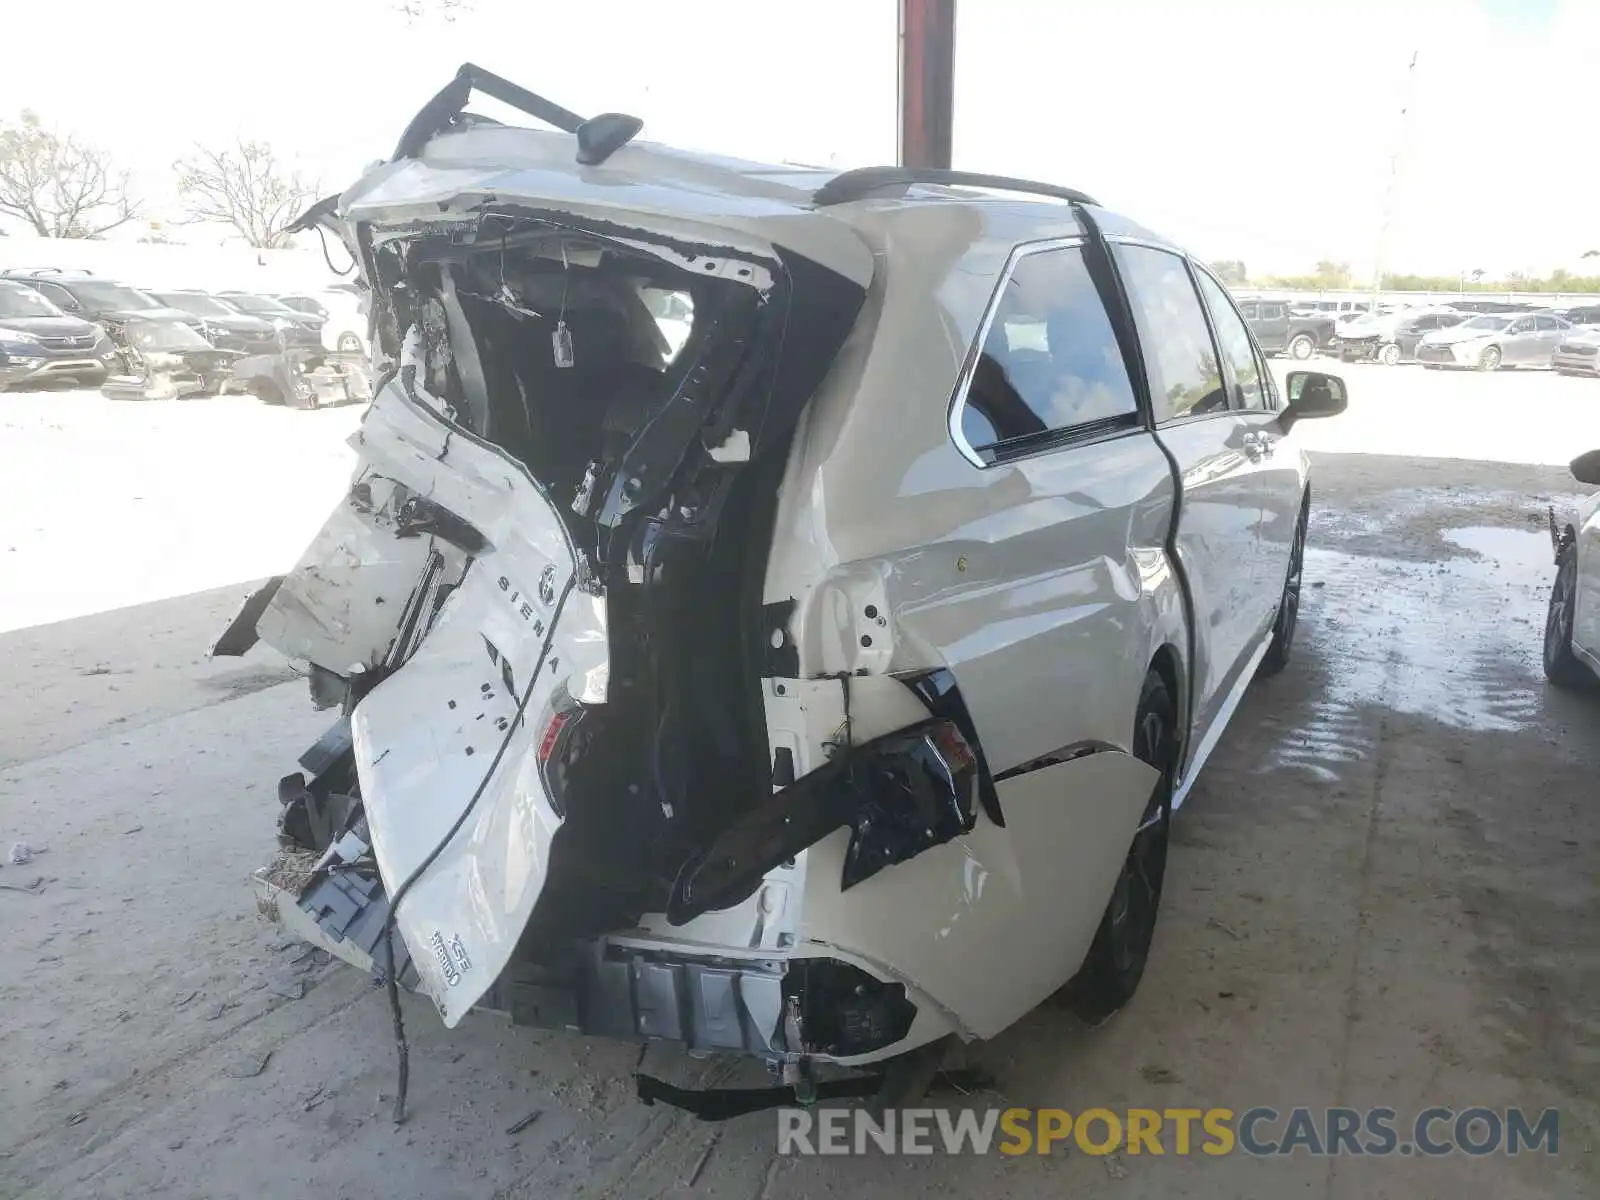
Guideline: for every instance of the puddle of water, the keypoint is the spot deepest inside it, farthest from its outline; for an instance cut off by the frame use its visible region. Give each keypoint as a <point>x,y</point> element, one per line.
<point>1521,549</point>
<point>1456,640</point>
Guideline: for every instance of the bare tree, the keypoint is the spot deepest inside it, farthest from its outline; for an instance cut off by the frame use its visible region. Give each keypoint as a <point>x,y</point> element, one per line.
<point>416,9</point>
<point>244,186</point>
<point>59,185</point>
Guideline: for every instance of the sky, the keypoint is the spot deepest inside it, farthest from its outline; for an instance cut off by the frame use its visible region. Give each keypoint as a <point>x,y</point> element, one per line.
<point>1268,131</point>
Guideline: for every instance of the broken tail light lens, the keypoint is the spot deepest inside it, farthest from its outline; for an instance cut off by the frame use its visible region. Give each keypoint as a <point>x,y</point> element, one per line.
<point>560,746</point>
<point>552,735</point>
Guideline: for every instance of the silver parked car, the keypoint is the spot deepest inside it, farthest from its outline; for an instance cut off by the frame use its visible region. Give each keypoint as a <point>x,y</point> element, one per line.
<point>1578,352</point>
<point>1490,341</point>
<point>816,682</point>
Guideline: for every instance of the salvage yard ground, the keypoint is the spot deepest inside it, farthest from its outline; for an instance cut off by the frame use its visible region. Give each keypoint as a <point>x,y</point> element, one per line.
<point>1383,891</point>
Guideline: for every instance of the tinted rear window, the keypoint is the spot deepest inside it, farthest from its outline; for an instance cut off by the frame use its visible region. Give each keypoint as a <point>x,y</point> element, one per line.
<point>1050,361</point>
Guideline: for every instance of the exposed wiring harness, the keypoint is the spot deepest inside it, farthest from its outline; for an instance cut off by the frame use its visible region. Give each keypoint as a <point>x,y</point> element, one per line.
<point>392,981</point>
<point>323,238</point>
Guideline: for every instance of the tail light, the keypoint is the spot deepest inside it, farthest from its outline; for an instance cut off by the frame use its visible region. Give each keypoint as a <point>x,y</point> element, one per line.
<point>552,735</point>
<point>561,744</point>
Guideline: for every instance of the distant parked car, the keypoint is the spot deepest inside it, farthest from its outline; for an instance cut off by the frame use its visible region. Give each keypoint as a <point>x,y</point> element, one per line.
<point>302,302</point>
<point>1490,306</point>
<point>103,301</point>
<point>1581,314</point>
<point>344,328</point>
<point>1578,352</point>
<point>302,330</point>
<point>1281,331</point>
<point>1394,337</point>
<point>1490,341</point>
<point>1331,308</point>
<point>39,342</point>
<point>166,360</point>
<point>223,325</point>
<point>112,306</point>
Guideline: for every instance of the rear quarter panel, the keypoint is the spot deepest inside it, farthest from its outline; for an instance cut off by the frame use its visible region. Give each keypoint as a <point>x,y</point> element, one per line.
<point>1043,584</point>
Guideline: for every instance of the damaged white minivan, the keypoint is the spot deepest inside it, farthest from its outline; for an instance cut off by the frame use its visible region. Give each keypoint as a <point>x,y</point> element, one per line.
<point>775,610</point>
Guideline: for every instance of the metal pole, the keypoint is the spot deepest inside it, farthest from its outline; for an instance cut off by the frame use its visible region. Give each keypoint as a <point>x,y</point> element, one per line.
<point>927,82</point>
<point>1394,175</point>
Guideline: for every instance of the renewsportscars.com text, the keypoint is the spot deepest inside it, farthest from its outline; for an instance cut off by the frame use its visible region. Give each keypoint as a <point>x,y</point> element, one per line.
<point>1260,1132</point>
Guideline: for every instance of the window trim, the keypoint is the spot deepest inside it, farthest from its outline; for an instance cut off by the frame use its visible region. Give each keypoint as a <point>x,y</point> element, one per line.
<point>1009,450</point>
<point>1223,360</point>
<point>1211,331</point>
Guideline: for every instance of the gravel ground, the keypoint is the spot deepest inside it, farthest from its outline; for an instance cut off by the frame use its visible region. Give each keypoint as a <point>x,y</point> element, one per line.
<point>1382,892</point>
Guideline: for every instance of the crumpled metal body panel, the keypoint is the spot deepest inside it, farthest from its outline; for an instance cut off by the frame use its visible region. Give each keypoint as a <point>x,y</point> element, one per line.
<point>985,926</point>
<point>341,604</point>
<point>428,747</point>
<point>681,197</point>
<point>452,730</point>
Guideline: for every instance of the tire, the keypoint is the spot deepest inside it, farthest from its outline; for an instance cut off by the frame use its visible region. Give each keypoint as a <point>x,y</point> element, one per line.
<point>1561,666</point>
<point>1116,960</point>
<point>1489,359</point>
<point>348,343</point>
<point>1301,347</point>
<point>1389,354</point>
<point>1277,655</point>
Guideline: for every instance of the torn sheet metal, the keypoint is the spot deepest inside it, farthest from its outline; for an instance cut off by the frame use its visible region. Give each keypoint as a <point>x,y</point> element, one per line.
<point>299,379</point>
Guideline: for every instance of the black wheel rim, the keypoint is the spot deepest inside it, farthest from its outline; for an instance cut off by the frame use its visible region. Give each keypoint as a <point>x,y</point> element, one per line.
<point>1137,896</point>
<point>1558,621</point>
<point>1289,610</point>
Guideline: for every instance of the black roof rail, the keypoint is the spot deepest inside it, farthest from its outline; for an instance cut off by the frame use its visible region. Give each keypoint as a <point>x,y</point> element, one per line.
<point>865,182</point>
<point>598,137</point>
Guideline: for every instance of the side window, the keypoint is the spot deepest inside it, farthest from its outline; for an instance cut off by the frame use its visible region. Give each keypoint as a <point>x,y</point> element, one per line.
<point>1185,379</point>
<point>1525,325</point>
<point>1270,312</point>
<point>1050,361</point>
<point>1248,308</point>
<point>1237,348</point>
<point>56,295</point>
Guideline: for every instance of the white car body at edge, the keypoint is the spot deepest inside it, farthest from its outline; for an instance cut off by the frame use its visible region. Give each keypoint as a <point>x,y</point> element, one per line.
<point>1586,612</point>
